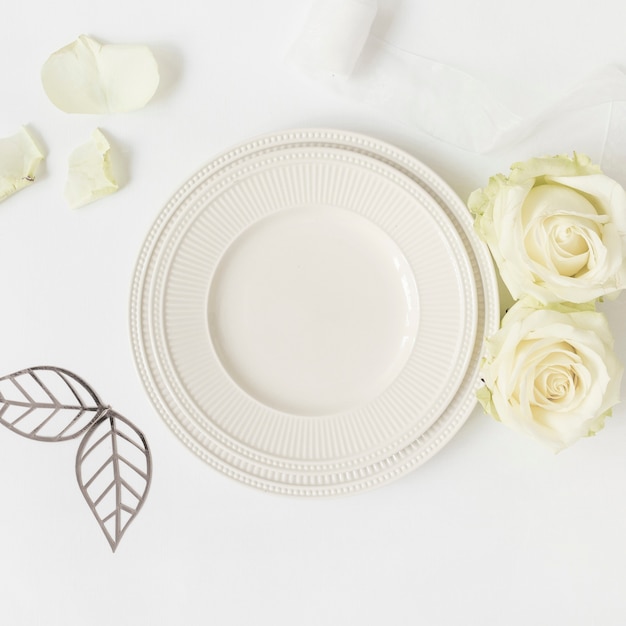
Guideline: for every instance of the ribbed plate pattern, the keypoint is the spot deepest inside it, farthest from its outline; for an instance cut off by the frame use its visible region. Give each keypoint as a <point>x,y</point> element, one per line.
<point>433,249</point>
<point>320,455</point>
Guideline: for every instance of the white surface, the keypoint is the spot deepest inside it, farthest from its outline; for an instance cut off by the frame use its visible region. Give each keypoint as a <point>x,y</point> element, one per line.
<point>492,530</point>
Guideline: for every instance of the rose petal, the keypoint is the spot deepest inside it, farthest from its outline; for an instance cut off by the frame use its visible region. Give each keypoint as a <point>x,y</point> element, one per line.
<point>608,196</point>
<point>90,176</point>
<point>87,77</point>
<point>561,165</point>
<point>19,160</point>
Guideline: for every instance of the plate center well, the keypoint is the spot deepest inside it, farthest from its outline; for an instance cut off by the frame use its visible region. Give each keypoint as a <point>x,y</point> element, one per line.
<point>313,310</point>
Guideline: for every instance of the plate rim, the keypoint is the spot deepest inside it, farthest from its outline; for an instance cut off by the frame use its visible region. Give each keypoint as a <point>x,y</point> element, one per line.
<point>441,431</point>
<point>185,220</point>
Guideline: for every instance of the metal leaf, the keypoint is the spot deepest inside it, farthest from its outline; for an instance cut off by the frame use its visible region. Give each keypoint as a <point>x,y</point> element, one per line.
<point>114,471</point>
<point>48,404</point>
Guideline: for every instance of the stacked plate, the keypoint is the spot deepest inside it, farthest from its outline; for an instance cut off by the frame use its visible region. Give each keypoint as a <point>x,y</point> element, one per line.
<point>308,313</point>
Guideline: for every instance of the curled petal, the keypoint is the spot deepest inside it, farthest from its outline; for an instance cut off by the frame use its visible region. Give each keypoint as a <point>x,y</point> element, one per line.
<point>560,165</point>
<point>608,196</point>
<point>19,160</point>
<point>87,77</point>
<point>90,176</point>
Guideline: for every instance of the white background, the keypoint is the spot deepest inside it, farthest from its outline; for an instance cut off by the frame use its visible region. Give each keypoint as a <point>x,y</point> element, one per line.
<point>492,530</point>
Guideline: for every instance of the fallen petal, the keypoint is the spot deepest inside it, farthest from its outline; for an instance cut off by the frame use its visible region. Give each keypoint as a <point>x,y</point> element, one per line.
<point>87,77</point>
<point>90,174</point>
<point>19,160</point>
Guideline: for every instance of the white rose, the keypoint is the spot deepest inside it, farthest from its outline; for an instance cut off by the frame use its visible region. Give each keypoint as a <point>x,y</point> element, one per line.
<point>556,228</point>
<point>551,372</point>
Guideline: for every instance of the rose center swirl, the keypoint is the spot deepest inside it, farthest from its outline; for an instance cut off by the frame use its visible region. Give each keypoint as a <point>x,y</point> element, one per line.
<point>562,229</point>
<point>556,380</point>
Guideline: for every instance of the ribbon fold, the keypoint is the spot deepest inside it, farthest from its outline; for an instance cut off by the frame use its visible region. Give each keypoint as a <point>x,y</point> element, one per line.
<point>337,48</point>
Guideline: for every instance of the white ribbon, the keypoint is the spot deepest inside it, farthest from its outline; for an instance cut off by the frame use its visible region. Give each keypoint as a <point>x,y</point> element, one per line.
<point>433,97</point>
<point>613,160</point>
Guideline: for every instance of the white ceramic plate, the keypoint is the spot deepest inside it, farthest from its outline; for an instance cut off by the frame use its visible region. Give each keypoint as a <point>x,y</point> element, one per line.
<point>305,314</point>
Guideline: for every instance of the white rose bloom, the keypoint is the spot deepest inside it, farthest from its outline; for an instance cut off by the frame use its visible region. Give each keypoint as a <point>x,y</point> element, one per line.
<point>551,372</point>
<point>556,228</point>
